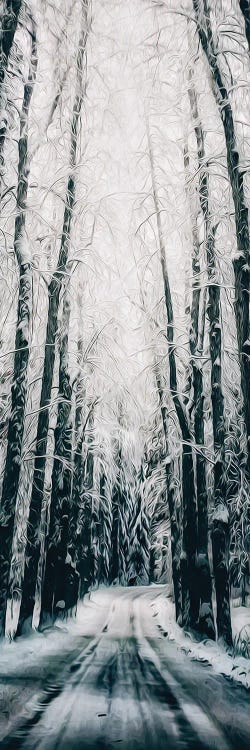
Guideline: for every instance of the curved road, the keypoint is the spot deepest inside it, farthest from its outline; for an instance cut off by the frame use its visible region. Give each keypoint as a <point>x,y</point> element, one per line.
<point>134,689</point>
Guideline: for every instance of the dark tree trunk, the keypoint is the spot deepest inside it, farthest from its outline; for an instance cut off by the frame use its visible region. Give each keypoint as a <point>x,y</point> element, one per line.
<point>196,342</point>
<point>190,604</point>
<point>220,522</point>
<point>80,534</point>
<point>32,552</point>
<point>206,617</point>
<point>236,175</point>
<point>220,543</point>
<point>77,498</point>
<point>245,9</point>
<point>152,563</point>
<point>114,562</point>
<point>61,474</point>
<point>10,16</point>
<point>9,20</point>
<point>123,539</point>
<point>55,288</point>
<point>223,598</point>
<point>19,387</point>
<point>174,514</point>
<point>243,590</point>
<point>80,527</point>
<point>84,553</point>
<point>105,530</point>
<point>95,537</point>
<point>190,591</point>
<point>78,460</point>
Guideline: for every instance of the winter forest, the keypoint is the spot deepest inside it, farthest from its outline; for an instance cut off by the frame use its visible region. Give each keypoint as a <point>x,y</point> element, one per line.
<point>125,331</point>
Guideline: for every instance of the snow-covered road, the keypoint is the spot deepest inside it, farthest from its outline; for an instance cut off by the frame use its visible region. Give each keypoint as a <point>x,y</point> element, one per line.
<point>131,686</point>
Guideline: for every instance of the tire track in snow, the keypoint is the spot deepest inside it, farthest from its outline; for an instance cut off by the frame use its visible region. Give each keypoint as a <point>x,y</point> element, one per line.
<point>80,671</point>
<point>42,700</point>
<point>192,715</point>
<point>119,692</point>
<point>160,696</point>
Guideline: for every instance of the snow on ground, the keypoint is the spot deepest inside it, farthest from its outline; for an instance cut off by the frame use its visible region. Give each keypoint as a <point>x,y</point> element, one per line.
<point>241,630</point>
<point>235,667</point>
<point>32,661</point>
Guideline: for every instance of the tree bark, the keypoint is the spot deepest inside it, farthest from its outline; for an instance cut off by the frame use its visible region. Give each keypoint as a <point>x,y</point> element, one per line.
<point>105,529</point>
<point>190,598</point>
<point>55,288</point>
<point>196,340</point>
<point>61,474</point>
<point>22,341</point>
<point>220,522</point>
<point>10,16</point>
<point>84,552</point>
<point>241,262</point>
<point>9,21</point>
<point>220,511</point>
<point>114,561</point>
<point>245,9</point>
<point>78,460</point>
<point>174,514</point>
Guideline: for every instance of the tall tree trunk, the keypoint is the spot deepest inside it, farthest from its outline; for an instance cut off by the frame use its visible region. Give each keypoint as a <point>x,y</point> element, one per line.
<point>19,387</point>
<point>61,474</point>
<point>138,532</point>
<point>85,557</point>
<point>55,287</point>
<point>114,561</point>
<point>105,529</point>
<point>80,511</point>
<point>190,597</point>
<point>95,534</point>
<point>245,9</point>
<point>174,510</point>
<point>9,20</point>
<point>206,618</point>
<point>220,522</point>
<point>241,262</point>
<point>123,528</point>
<point>221,531</point>
<point>196,343</point>
<point>78,460</point>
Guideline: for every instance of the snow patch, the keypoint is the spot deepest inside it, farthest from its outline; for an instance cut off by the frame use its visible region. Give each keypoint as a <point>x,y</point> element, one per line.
<point>32,659</point>
<point>236,667</point>
<point>221,514</point>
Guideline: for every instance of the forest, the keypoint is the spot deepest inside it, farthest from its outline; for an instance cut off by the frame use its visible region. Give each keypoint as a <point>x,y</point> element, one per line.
<point>124,278</point>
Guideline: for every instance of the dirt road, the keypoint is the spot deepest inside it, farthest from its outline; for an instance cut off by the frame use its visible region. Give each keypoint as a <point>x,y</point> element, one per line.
<point>131,687</point>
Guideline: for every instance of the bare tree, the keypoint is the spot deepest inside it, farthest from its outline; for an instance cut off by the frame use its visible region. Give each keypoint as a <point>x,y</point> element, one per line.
<point>174,509</point>
<point>22,342</point>
<point>245,9</point>
<point>236,175</point>
<point>57,542</point>
<point>55,288</point>
<point>196,344</point>
<point>221,531</point>
<point>105,528</point>
<point>9,20</point>
<point>190,595</point>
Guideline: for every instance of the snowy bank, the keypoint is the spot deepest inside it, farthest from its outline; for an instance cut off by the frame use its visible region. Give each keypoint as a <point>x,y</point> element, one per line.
<point>33,662</point>
<point>236,667</point>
